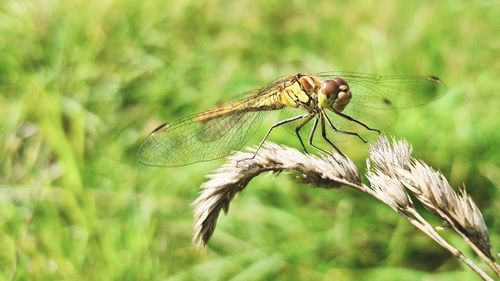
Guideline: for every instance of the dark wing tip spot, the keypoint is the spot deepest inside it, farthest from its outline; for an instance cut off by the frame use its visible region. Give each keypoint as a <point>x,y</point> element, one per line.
<point>160,128</point>
<point>387,101</point>
<point>437,84</point>
<point>434,78</point>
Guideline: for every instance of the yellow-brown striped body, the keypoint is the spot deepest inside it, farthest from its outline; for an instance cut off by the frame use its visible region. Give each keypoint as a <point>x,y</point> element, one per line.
<point>290,92</point>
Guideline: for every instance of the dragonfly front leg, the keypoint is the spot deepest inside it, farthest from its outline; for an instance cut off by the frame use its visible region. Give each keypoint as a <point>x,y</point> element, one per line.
<point>355,121</point>
<point>340,131</point>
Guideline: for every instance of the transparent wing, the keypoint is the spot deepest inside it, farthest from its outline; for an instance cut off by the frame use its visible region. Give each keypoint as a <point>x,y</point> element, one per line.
<point>189,141</point>
<point>211,134</point>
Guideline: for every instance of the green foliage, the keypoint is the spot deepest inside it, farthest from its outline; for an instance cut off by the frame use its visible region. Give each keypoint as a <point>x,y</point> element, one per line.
<point>83,82</point>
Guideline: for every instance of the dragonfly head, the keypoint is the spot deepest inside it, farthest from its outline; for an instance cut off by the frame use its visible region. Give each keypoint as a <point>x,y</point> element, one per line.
<point>334,94</point>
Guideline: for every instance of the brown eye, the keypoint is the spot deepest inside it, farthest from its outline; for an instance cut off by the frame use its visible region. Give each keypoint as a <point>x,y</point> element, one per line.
<point>329,87</point>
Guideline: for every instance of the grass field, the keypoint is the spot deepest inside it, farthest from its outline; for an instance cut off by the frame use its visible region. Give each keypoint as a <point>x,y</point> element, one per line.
<point>82,83</point>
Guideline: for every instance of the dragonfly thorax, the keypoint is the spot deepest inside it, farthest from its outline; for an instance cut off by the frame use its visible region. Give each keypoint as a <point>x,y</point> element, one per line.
<point>334,94</point>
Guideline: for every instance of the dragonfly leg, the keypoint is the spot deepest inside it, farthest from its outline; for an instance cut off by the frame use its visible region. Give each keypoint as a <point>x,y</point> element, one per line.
<point>340,131</point>
<point>282,122</point>
<point>323,134</point>
<point>307,119</point>
<point>311,136</point>
<point>356,121</point>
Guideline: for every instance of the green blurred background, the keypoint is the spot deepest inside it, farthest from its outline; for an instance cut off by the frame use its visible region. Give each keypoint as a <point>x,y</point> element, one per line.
<point>83,83</point>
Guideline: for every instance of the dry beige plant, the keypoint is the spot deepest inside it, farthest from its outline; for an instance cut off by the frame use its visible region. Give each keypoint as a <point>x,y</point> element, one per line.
<point>392,172</point>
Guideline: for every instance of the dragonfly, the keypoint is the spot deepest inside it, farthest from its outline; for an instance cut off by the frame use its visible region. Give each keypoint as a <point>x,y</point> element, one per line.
<point>318,100</point>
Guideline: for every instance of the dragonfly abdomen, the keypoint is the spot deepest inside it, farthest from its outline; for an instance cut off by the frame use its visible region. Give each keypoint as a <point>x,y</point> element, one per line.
<point>270,101</point>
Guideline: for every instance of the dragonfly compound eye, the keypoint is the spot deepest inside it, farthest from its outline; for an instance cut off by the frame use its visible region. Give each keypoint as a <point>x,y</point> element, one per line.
<point>330,88</point>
